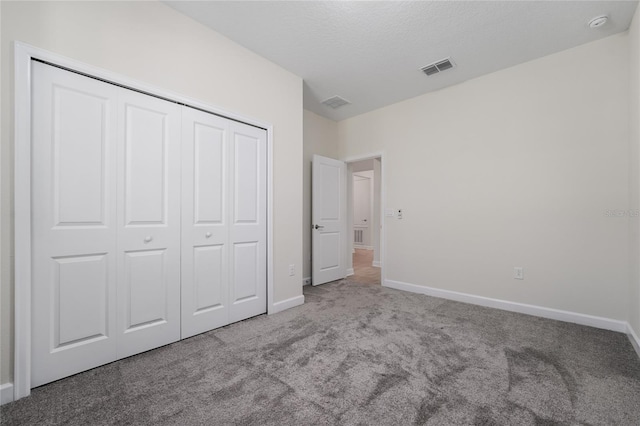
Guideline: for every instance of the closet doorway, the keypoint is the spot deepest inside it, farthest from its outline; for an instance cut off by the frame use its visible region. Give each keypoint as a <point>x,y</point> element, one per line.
<point>144,218</point>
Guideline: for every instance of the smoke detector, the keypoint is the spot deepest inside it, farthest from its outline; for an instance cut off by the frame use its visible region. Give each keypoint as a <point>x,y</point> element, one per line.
<point>335,102</point>
<point>438,66</point>
<point>598,21</point>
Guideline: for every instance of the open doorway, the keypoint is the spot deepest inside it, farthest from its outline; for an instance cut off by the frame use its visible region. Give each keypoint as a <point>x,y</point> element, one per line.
<point>333,235</point>
<point>364,213</point>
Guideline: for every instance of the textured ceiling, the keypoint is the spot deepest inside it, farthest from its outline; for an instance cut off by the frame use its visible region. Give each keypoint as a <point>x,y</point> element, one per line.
<point>370,53</point>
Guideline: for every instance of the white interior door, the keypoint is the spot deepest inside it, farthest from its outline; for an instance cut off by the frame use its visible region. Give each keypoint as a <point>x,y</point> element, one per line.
<point>73,223</point>
<point>148,222</point>
<point>205,222</point>
<point>247,221</point>
<point>329,219</point>
<point>361,210</point>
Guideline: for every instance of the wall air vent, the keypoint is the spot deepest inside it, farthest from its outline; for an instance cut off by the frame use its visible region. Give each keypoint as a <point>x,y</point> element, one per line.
<point>438,66</point>
<point>335,102</point>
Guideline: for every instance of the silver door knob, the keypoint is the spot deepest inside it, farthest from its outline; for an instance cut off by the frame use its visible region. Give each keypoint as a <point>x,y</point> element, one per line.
<point>208,235</point>
<point>148,239</point>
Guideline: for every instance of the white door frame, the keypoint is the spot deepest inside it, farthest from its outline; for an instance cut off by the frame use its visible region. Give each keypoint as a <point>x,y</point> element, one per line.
<point>383,197</point>
<point>23,54</point>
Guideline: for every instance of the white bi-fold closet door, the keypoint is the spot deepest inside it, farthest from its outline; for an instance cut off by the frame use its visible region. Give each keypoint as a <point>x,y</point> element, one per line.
<point>148,222</point>
<point>224,255</point>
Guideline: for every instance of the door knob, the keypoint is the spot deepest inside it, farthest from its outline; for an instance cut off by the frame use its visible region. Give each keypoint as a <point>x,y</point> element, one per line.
<point>208,235</point>
<point>148,239</point>
<point>319,227</point>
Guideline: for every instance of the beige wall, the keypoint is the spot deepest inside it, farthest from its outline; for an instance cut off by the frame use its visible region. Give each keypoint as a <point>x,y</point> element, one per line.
<point>515,168</point>
<point>151,42</point>
<point>6,293</point>
<point>634,167</point>
<point>320,137</point>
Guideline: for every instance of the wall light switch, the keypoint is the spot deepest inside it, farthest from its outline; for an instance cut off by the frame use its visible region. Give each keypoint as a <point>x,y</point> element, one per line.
<point>518,273</point>
<point>292,270</point>
<point>388,212</point>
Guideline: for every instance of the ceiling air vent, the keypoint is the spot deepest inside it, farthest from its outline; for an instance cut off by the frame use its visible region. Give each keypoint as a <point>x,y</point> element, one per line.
<point>437,67</point>
<point>335,102</point>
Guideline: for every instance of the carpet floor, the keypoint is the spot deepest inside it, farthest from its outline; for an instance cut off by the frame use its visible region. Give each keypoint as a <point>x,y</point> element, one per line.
<point>358,354</point>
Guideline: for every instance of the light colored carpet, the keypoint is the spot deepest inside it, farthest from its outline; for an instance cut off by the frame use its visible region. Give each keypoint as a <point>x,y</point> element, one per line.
<point>358,354</point>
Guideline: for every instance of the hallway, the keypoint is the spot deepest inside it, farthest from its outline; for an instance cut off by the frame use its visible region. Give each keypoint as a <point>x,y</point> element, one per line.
<point>363,271</point>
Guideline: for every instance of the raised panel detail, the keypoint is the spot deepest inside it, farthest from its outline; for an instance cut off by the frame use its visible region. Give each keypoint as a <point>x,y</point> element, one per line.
<point>208,279</point>
<point>79,299</point>
<point>330,246</point>
<point>146,287</point>
<point>245,260</point>
<point>209,174</point>
<point>79,162</point>
<point>146,166</point>
<point>330,198</point>
<point>247,170</point>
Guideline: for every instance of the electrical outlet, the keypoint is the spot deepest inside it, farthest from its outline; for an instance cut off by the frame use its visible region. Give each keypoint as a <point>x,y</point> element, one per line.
<point>399,213</point>
<point>292,270</point>
<point>518,273</point>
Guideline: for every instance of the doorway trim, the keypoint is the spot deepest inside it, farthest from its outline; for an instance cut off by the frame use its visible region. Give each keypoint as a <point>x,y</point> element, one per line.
<point>383,197</point>
<point>23,55</point>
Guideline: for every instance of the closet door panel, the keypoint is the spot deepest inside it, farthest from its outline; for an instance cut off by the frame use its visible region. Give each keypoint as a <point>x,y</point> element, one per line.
<point>147,165</point>
<point>73,223</point>
<point>208,277</point>
<point>146,287</point>
<point>208,152</point>
<point>246,271</point>
<point>246,167</point>
<point>80,289</point>
<point>248,230</point>
<point>205,222</point>
<point>149,223</point>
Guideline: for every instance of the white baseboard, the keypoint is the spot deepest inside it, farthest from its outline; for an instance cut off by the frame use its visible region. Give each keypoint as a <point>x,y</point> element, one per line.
<point>633,337</point>
<point>376,264</point>
<point>286,304</point>
<point>539,311</point>
<point>306,281</point>
<point>355,246</point>
<point>6,393</point>
<point>350,272</point>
